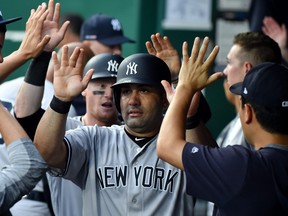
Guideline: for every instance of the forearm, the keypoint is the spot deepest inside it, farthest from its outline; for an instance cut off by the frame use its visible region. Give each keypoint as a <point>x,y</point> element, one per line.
<point>9,127</point>
<point>11,63</point>
<point>27,168</point>
<point>29,97</point>
<point>201,135</point>
<point>30,123</point>
<point>171,138</point>
<point>49,138</point>
<point>28,100</point>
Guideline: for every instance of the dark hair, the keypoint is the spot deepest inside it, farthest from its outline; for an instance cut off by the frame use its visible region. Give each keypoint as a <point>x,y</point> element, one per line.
<point>258,47</point>
<point>3,28</point>
<point>271,120</point>
<point>75,19</point>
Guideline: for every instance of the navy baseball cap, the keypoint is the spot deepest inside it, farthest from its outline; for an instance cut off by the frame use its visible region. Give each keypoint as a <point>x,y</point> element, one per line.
<point>105,29</point>
<point>265,84</point>
<point>4,22</point>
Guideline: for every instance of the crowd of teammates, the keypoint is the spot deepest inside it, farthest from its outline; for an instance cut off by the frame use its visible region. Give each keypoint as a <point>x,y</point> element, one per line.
<point>95,118</point>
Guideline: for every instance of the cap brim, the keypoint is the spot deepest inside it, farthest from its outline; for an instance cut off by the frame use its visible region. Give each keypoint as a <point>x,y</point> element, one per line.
<point>236,88</point>
<point>7,21</point>
<point>116,40</point>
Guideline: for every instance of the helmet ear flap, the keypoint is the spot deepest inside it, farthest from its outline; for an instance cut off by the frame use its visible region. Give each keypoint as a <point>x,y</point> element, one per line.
<point>116,98</point>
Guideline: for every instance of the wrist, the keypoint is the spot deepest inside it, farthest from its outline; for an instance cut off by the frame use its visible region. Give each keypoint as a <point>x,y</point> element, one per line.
<point>36,73</point>
<point>60,106</point>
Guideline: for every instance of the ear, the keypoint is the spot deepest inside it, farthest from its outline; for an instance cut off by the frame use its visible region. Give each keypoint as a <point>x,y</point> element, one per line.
<point>248,66</point>
<point>165,102</point>
<point>84,93</point>
<point>248,113</point>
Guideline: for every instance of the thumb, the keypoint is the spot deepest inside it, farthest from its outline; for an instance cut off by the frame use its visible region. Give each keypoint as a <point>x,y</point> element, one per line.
<point>167,87</point>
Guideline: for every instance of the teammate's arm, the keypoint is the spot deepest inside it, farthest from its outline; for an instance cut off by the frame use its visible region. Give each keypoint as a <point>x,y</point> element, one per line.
<point>27,166</point>
<point>29,97</point>
<point>192,78</point>
<point>163,49</point>
<point>68,83</point>
<point>31,46</point>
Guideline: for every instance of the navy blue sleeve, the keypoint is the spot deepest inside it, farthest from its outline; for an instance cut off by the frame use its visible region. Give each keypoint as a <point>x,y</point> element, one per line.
<point>214,174</point>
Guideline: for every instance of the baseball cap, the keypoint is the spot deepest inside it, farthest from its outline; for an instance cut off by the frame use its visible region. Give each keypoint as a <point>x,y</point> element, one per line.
<point>105,29</point>
<point>266,85</point>
<point>7,21</point>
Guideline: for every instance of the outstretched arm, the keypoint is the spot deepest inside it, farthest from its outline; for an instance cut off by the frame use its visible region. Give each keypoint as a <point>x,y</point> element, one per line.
<point>27,166</point>
<point>278,33</point>
<point>193,77</point>
<point>68,83</point>
<point>31,46</point>
<point>163,49</point>
<point>29,97</point>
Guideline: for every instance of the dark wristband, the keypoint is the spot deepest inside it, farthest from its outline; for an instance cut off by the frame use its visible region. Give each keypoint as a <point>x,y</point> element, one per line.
<point>59,106</point>
<point>36,73</point>
<point>192,122</point>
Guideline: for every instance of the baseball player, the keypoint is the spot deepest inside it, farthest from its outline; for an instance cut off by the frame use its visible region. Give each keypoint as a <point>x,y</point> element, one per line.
<point>66,196</point>
<point>116,167</point>
<point>240,181</point>
<point>27,166</point>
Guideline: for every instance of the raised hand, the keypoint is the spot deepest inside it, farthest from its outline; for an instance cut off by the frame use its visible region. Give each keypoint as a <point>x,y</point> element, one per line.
<point>51,26</point>
<point>68,81</point>
<point>276,31</point>
<point>33,42</point>
<point>163,49</point>
<point>194,70</point>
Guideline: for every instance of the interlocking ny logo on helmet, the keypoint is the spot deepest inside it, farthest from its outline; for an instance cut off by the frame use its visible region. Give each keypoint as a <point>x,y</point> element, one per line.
<point>104,64</point>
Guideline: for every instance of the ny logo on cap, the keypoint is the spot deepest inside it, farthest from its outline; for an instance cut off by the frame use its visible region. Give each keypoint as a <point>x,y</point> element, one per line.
<point>116,25</point>
<point>131,68</point>
<point>112,65</point>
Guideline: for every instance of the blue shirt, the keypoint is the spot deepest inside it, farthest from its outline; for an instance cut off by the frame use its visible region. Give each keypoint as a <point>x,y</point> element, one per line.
<point>238,180</point>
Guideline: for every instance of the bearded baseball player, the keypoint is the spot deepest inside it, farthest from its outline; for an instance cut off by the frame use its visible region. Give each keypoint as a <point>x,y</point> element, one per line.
<point>116,167</point>
<point>66,197</point>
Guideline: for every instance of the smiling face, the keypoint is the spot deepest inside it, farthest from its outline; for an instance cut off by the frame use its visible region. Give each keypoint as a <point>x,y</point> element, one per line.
<point>142,109</point>
<point>99,101</point>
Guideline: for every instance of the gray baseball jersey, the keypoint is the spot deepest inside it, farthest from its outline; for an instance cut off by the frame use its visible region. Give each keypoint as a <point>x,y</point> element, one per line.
<point>66,197</point>
<point>120,178</point>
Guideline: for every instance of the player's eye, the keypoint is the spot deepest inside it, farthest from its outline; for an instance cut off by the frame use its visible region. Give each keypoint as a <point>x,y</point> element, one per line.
<point>98,92</point>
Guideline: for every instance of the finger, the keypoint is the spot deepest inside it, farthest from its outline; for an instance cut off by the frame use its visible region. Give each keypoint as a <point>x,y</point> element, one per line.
<point>195,49</point>
<point>55,60</point>
<point>44,41</point>
<point>62,31</point>
<point>167,42</point>
<point>79,59</point>
<point>56,16</point>
<point>64,58</point>
<point>156,43</point>
<point>150,48</point>
<point>39,22</point>
<point>214,77</point>
<point>50,9</point>
<point>212,56</point>
<point>87,77</point>
<point>185,55</point>
<point>203,50</point>
<point>167,87</point>
<point>160,41</point>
